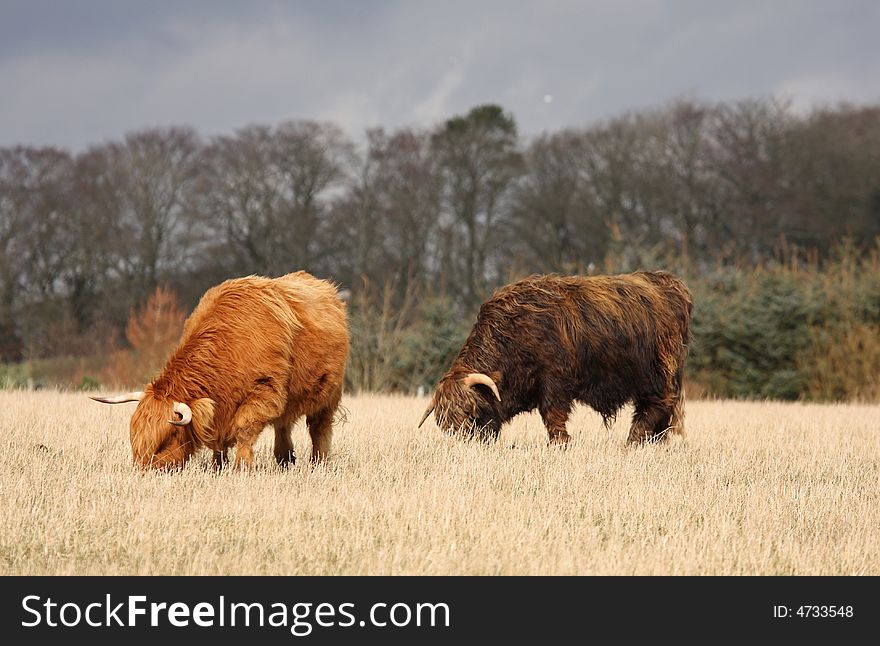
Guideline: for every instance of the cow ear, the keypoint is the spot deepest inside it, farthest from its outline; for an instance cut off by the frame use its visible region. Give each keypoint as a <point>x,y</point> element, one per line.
<point>203,418</point>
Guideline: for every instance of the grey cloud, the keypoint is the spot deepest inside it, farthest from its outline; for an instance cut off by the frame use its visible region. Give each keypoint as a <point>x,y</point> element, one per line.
<point>79,73</point>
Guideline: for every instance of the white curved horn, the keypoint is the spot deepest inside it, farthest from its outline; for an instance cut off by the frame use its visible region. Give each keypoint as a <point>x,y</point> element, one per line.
<point>185,413</point>
<point>134,396</point>
<point>479,378</point>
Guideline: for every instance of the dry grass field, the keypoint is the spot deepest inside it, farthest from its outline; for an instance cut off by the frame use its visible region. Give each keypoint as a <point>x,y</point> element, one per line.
<point>757,488</point>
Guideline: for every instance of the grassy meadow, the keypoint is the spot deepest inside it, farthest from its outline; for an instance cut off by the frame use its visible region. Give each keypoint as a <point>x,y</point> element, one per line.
<point>756,488</point>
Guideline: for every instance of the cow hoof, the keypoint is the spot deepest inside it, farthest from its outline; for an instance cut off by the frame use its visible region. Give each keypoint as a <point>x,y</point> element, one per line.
<point>286,460</point>
<point>559,439</point>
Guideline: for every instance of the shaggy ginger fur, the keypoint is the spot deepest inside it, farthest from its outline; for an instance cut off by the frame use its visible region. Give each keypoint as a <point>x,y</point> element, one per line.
<point>549,341</point>
<point>255,351</point>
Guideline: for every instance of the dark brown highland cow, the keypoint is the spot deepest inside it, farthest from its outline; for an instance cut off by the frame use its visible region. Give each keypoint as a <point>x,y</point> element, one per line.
<point>546,342</point>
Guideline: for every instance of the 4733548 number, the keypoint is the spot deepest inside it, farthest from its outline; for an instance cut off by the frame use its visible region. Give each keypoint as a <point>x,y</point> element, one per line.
<point>824,611</point>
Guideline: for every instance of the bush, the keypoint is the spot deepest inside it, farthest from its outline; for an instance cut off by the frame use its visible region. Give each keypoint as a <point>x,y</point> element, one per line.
<point>15,375</point>
<point>401,348</point>
<point>748,332</point>
<point>153,332</point>
<point>784,332</point>
<point>430,347</point>
<point>89,383</point>
<point>377,327</point>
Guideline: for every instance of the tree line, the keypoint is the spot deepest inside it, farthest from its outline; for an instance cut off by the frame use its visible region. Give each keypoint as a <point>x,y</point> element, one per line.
<point>410,216</point>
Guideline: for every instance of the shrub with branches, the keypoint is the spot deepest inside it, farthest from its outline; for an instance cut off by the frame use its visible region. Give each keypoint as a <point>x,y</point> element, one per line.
<point>152,332</point>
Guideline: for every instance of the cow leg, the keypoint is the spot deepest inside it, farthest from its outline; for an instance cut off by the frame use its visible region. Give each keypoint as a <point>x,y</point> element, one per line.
<point>662,427</point>
<point>650,422</point>
<point>555,419</point>
<point>250,419</point>
<point>283,446</point>
<point>669,416</point>
<point>220,459</point>
<point>321,428</point>
<point>244,450</point>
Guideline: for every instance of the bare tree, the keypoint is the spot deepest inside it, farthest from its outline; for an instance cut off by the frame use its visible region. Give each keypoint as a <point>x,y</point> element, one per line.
<point>96,242</point>
<point>611,156</point>
<point>149,179</point>
<point>555,217</point>
<point>832,163</point>
<point>33,192</point>
<point>749,156</point>
<point>678,185</point>
<point>267,190</point>
<point>356,226</point>
<point>382,226</point>
<point>409,193</point>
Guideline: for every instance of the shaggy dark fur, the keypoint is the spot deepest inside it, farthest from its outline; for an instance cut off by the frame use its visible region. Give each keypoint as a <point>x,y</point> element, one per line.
<point>550,341</point>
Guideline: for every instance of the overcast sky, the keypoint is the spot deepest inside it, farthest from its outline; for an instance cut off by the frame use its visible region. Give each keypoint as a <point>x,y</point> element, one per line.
<point>76,73</point>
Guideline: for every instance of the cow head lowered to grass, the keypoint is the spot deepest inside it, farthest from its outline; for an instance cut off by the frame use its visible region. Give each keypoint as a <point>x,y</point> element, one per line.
<point>255,351</point>
<point>546,342</point>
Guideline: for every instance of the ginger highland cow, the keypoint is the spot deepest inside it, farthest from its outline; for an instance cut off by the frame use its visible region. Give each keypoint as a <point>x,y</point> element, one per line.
<point>255,351</point>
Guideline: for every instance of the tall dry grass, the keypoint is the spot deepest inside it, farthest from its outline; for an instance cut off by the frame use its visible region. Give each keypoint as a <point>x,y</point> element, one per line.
<point>757,488</point>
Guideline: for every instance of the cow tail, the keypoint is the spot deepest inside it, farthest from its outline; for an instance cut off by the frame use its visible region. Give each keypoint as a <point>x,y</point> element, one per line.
<point>676,421</point>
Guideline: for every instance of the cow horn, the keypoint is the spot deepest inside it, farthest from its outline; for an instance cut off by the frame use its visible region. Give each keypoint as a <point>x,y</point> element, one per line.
<point>134,396</point>
<point>185,413</point>
<point>429,410</point>
<point>479,378</point>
